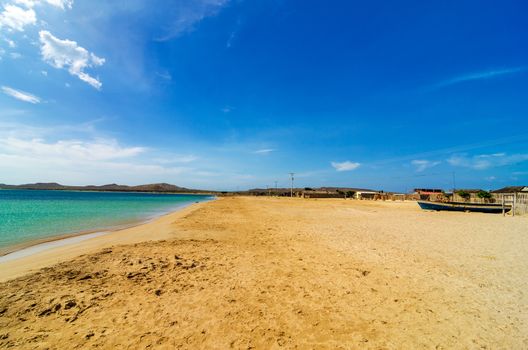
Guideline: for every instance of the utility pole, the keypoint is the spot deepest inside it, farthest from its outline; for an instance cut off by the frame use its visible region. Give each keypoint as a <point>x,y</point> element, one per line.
<point>291,189</point>
<point>276,193</point>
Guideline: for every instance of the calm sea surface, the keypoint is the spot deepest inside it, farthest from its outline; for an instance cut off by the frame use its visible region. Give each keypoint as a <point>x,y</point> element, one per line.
<point>27,215</point>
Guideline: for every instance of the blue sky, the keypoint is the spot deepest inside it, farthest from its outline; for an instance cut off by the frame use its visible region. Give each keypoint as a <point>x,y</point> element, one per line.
<point>231,95</point>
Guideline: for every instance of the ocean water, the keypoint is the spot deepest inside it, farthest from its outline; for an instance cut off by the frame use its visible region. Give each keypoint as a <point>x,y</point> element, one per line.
<point>28,215</point>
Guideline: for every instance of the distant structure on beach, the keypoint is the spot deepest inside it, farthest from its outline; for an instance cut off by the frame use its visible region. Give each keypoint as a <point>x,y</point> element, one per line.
<point>428,194</point>
<point>510,190</point>
<point>335,192</point>
<point>516,196</point>
<point>320,192</point>
<point>472,195</point>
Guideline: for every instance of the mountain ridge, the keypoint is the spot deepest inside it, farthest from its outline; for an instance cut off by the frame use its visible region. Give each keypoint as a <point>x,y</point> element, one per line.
<point>155,187</point>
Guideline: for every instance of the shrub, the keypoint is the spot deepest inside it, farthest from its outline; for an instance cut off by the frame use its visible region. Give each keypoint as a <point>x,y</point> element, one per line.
<point>484,194</point>
<point>464,194</point>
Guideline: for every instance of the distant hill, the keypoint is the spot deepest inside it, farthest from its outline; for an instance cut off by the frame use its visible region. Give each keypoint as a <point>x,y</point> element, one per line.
<point>159,188</point>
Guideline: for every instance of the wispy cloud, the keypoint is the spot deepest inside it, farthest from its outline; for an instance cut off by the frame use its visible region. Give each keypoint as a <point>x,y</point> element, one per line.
<point>68,54</point>
<point>164,75</point>
<point>57,3</point>
<point>169,159</point>
<point>186,15</point>
<point>20,95</point>
<point>231,38</point>
<point>422,164</point>
<point>264,151</point>
<point>95,150</point>
<point>233,34</point>
<point>486,161</point>
<point>227,109</point>
<point>345,166</point>
<point>456,149</point>
<point>480,75</point>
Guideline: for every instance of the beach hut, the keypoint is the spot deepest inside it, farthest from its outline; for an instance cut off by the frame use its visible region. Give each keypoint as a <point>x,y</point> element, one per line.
<point>516,196</point>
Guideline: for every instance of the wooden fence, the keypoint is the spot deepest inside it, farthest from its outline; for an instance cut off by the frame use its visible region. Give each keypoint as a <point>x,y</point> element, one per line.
<point>521,203</point>
<point>517,201</point>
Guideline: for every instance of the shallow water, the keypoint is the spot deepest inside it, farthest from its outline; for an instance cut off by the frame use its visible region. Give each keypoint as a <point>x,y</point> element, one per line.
<point>30,215</point>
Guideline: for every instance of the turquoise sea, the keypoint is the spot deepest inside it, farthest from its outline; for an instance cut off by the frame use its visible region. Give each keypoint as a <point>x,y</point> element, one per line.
<point>28,215</point>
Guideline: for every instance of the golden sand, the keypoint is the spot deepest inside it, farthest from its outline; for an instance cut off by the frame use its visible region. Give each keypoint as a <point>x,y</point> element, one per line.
<point>268,273</point>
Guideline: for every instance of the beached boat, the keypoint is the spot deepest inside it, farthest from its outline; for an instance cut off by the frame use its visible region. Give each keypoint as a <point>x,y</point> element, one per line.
<point>460,206</point>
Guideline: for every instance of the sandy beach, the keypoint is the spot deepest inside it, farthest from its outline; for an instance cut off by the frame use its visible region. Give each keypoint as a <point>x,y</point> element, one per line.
<point>277,272</point>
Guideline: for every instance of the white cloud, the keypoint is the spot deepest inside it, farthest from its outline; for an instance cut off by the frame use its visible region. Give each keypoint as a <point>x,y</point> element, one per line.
<point>20,95</point>
<point>57,3</point>
<point>68,54</point>
<point>74,150</point>
<point>486,161</point>
<point>28,168</point>
<point>24,158</point>
<point>17,18</point>
<point>264,151</point>
<point>81,154</point>
<point>422,164</point>
<point>61,3</point>
<point>345,166</point>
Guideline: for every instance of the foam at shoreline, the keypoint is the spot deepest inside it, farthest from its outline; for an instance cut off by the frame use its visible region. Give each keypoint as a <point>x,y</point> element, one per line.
<point>34,249</point>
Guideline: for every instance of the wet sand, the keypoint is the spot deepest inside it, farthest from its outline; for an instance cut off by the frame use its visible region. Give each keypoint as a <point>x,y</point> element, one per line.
<point>270,273</point>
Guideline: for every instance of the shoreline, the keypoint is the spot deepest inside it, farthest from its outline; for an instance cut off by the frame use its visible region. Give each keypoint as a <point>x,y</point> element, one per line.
<point>40,247</point>
<point>11,249</point>
<point>73,245</point>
